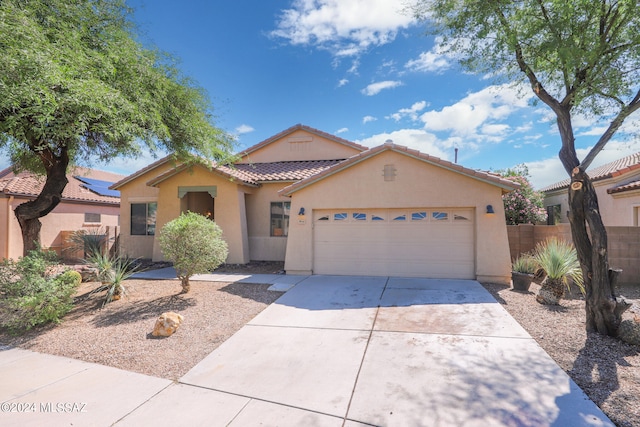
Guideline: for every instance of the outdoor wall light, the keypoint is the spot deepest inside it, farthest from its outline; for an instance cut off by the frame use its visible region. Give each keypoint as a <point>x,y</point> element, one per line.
<point>490,210</point>
<point>301,212</point>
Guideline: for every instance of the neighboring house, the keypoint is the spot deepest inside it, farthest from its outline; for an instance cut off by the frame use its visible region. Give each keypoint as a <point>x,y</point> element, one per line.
<point>87,203</point>
<point>617,186</point>
<point>325,205</point>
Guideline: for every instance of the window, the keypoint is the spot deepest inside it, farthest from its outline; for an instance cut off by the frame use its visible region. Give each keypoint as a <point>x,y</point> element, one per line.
<point>341,216</point>
<point>280,218</point>
<point>92,218</point>
<point>440,216</point>
<point>554,214</point>
<point>143,219</point>
<point>359,216</point>
<point>400,218</point>
<point>418,216</point>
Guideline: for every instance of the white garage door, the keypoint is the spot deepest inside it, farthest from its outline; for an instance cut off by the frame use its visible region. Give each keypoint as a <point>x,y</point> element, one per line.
<point>436,243</point>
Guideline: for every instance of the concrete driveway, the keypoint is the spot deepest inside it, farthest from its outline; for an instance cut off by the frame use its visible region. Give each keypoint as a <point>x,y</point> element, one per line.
<point>356,351</point>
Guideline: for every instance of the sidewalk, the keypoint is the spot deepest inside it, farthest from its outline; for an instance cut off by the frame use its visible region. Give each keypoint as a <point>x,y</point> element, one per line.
<point>332,351</point>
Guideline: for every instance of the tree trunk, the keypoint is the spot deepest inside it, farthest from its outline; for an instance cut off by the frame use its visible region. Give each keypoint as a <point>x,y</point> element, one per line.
<point>29,213</point>
<point>603,310</point>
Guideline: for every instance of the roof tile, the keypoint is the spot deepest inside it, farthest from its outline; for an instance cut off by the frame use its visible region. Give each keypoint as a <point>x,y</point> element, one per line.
<point>609,170</point>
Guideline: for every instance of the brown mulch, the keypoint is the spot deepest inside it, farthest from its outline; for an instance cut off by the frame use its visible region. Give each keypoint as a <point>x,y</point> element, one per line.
<point>607,369</point>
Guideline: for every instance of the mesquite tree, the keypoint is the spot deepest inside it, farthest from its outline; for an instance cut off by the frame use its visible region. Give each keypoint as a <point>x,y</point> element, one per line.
<point>76,86</point>
<point>578,57</point>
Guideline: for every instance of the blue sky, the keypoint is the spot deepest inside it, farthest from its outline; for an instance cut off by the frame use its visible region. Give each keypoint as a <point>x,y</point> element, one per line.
<point>359,69</point>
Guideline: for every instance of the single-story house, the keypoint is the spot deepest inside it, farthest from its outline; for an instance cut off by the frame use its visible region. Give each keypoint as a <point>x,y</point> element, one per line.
<point>617,186</point>
<point>325,205</point>
<point>87,203</point>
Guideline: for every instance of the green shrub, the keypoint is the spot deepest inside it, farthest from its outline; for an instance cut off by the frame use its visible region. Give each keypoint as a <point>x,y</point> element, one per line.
<point>30,295</point>
<point>70,277</point>
<point>194,243</point>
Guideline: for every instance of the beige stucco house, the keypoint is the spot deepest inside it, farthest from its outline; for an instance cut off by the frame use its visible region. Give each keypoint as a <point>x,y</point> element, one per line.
<point>325,205</point>
<point>87,203</point>
<point>617,186</point>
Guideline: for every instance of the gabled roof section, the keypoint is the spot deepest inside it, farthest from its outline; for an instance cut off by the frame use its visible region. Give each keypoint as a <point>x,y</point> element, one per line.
<point>309,129</point>
<point>29,185</point>
<point>257,173</point>
<point>141,172</point>
<point>610,170</point>
<point>506,184</point>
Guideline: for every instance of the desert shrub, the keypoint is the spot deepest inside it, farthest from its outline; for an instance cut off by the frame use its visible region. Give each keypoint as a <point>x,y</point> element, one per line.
<point>30,295</point>
<point>112,272</point>
<point>70,277</point>
<point>194,244</point>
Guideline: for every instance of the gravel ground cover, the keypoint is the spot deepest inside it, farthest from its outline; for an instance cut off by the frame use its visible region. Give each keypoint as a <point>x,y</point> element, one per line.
<point>607,369</point>
<point>119,334</point>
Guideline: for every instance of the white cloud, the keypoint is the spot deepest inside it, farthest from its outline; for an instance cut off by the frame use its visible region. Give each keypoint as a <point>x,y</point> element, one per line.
<point>367,119</point>
<point>478,115</point>
<point>429,62</point>
<point>343,82</point>
<point>342,130</point>
<point>345,27</point>
<point>242,129</point>
<point>413,138</point>
<point>376,88</point>
<point>411,112</point>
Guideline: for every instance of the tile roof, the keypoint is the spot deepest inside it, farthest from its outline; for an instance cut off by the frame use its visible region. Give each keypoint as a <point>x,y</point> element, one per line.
<point>256,173</point>
<point>633,185</point>
<point>506,184</point>
<point>609,170</point>
<point>29,185</point>
<point>305,128</point>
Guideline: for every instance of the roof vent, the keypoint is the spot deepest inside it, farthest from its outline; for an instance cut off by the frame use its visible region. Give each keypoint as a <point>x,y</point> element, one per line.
<point>389,141</point>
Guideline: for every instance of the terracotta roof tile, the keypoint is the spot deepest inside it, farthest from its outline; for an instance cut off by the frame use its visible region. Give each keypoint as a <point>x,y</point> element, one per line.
<point>284,171</point>
<point>634,185</point>
<point>30,185</point>
<point>609,170</point>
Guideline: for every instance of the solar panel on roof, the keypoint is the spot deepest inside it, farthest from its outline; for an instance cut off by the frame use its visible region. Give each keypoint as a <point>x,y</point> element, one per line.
<point>98,186</point>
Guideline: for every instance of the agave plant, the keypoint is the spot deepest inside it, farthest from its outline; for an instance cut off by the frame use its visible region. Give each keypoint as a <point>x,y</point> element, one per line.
<point>559,261</point>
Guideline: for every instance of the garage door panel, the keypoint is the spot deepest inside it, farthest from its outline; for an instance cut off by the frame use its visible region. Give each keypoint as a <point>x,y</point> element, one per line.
<point>425,246</point>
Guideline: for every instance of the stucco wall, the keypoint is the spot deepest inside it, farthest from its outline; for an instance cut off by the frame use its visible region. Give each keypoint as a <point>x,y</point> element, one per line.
<point>65,217</point>
<point>300,145</point>
<point>137,191</point>
<point>228,209</point>
<point>619,209</point>
<point>264,247</point>
<point>417,184</point>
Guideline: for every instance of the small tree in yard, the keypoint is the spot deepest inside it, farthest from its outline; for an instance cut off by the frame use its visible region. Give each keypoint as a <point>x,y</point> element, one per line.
<point>194,243</point>
<point>578,57</point>
<point>524,205</point>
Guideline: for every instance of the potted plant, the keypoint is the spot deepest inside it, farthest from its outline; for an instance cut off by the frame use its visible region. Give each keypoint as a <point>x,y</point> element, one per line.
<point>559,261</point>
<point>523,270</point>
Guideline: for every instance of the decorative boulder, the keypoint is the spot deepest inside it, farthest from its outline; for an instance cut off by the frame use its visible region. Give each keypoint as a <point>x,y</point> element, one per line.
<point>629,331</point>
<point>167,324</point>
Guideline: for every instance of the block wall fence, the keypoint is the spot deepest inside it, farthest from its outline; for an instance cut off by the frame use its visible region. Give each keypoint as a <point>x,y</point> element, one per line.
<point>623,245</point>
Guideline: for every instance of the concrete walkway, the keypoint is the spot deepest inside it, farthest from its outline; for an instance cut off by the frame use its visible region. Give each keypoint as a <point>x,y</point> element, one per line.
<point>332,351</point>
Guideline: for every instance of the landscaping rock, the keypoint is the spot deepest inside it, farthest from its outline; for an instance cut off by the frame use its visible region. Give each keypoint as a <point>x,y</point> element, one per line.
<point>167,324</point>
<point>629,331</point>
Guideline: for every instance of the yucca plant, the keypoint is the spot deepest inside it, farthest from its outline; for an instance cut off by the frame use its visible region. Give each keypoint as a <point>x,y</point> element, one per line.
<point>559,261</point>
<point>112,273</point>
<point>525,264</point>
<point>89,242</point>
